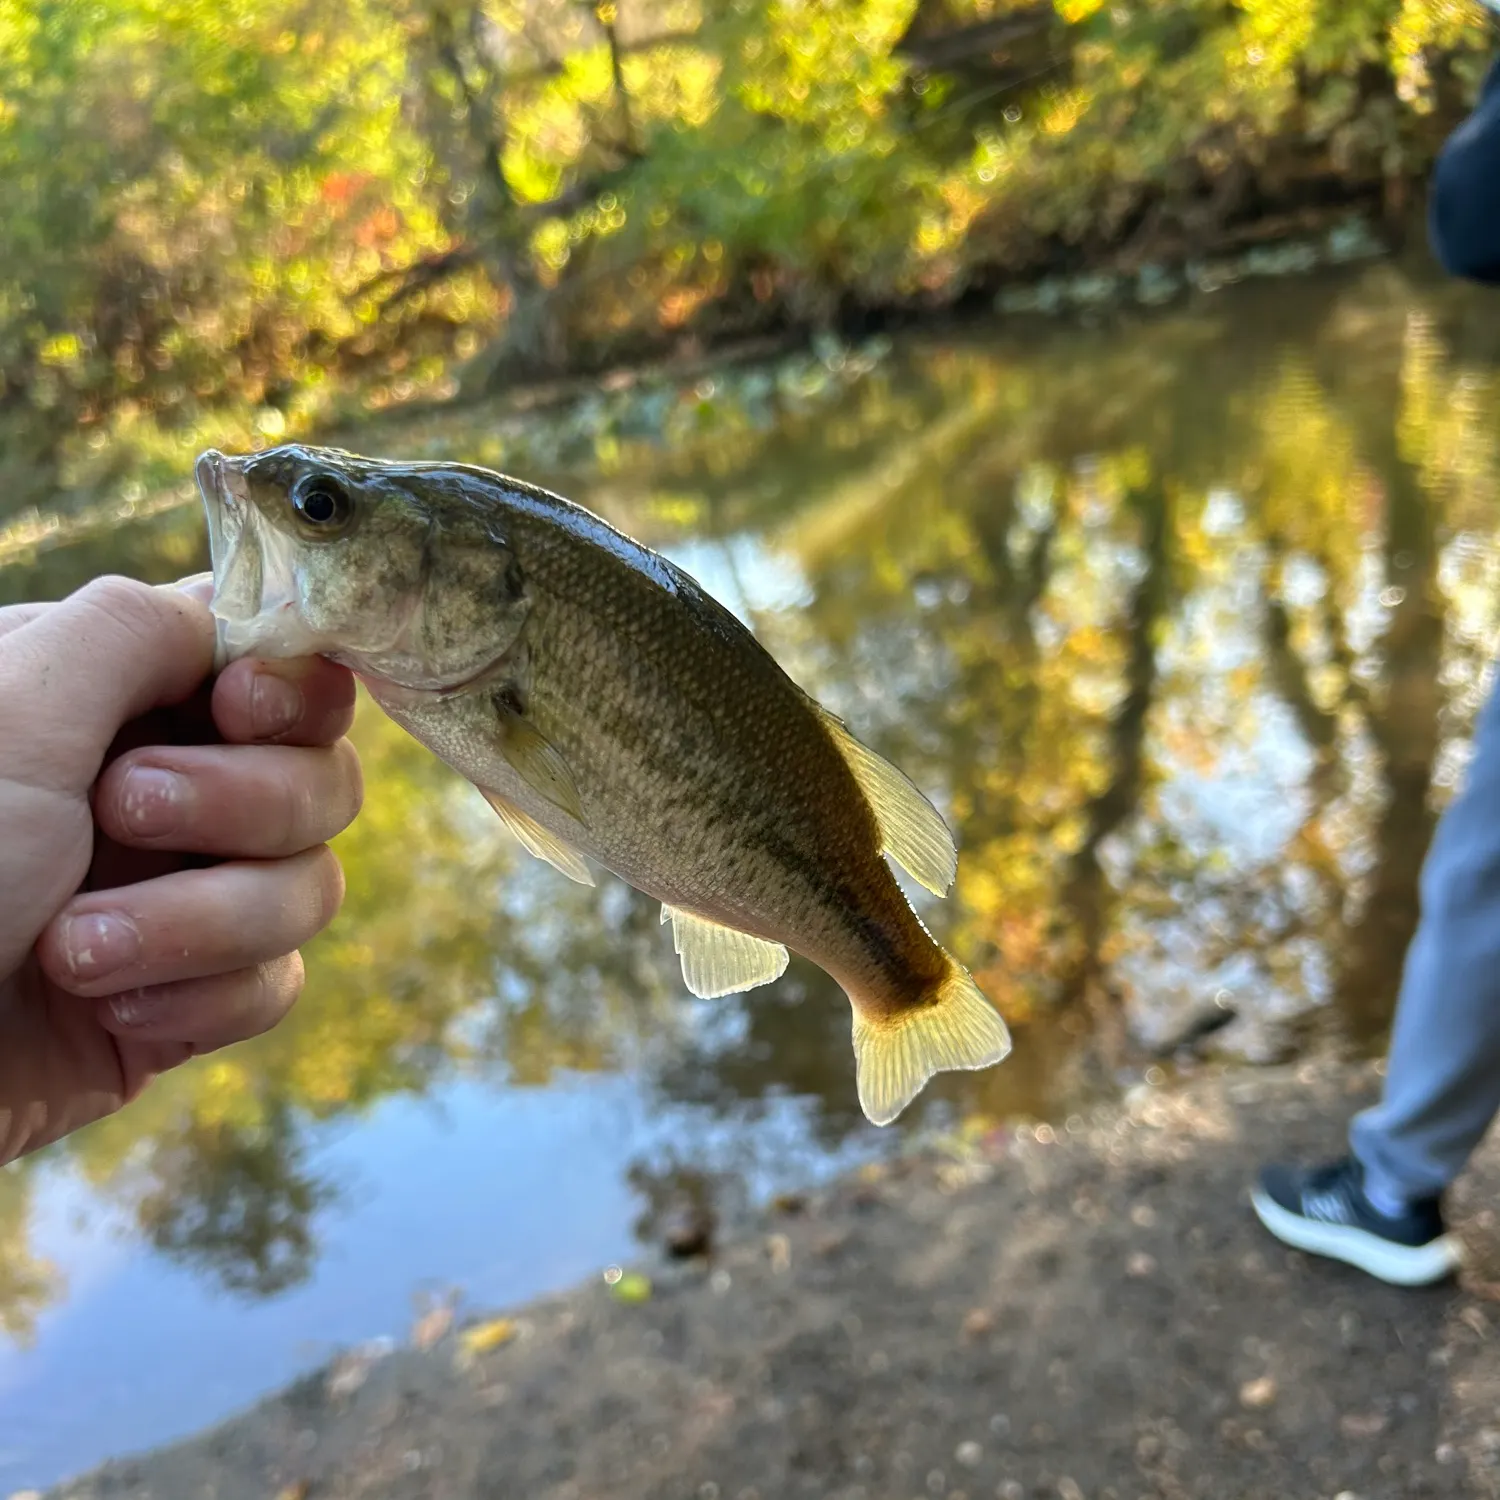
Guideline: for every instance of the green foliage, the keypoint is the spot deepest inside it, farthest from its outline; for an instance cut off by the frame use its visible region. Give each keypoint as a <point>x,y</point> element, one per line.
<point>192,200</point>
<point>226,223</point>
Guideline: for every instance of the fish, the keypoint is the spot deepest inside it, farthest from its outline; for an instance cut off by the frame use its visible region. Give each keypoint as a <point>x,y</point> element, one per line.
<point>612,713</point>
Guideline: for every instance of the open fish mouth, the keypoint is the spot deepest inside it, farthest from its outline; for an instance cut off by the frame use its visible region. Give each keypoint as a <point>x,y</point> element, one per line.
<point>236,567</point>
<point>223,522</point>
<point>254,569</point>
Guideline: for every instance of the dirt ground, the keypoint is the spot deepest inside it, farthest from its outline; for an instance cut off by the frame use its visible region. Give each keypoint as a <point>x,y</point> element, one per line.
<point>1091,1317</point>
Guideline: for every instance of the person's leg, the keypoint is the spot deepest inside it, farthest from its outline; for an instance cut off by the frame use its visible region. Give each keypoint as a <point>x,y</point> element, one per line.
<point>1379,1208</point>
<point>1463,205</point>
<point>1442,1088</point>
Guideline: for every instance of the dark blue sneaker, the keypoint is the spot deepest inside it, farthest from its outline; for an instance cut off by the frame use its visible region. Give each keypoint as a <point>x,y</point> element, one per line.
<point>1324,1210</point>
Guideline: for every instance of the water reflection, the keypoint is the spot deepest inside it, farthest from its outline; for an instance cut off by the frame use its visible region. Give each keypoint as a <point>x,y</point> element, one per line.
<point>1182,622</point>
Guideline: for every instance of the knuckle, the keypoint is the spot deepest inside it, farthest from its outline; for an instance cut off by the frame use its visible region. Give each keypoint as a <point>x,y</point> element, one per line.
<point>142,614</point>
<point>126,604</point>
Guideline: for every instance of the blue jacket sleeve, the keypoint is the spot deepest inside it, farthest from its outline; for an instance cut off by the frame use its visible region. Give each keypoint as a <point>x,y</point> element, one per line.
<point>1464,203</point>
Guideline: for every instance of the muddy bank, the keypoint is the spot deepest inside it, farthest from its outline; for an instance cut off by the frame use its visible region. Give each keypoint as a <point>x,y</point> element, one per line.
<point>1096,1315</point>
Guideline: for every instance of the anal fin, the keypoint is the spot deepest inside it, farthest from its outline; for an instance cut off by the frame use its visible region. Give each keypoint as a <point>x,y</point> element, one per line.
<point>538,841</point>
<point>718,960</point>
<point>912,831</point>
<point>953,1028</point>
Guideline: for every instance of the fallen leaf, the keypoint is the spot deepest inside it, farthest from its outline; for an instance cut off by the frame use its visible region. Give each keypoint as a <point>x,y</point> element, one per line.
<point>632,1287</point>
<point>480,1338</point>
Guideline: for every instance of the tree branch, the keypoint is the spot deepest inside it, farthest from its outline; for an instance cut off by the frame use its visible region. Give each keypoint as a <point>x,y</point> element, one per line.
<point>489,143</point>
<point>604,13</point>
<point>416,277</point>
<point>553,67</point>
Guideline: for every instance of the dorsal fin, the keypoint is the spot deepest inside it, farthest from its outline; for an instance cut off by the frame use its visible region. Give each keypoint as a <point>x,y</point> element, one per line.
<point>912,831</point>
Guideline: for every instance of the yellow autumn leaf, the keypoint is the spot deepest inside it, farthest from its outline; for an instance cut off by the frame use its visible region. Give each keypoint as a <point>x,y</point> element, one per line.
<point>483,1337</point>
<point>632,1287</point>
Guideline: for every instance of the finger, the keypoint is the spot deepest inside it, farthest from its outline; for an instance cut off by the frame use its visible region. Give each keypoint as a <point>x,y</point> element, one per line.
<point>240,801</point>
<point>199,586</point>
<point>14,616</point>
<point>191,924</point>
<point>306,701</point>
<point>76,672</point>
<point>204,1014</point>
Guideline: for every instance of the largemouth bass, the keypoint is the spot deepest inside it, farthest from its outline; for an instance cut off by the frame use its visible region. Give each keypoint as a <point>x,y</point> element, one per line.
<point>610,710</point>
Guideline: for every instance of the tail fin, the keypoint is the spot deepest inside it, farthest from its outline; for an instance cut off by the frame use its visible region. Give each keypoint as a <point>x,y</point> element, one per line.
<point>953,1028</point>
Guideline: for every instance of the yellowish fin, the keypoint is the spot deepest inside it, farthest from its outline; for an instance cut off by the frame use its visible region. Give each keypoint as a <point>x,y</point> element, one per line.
<point>912,831</point>
<point>539,764</point>
<point>562,857</point>
<point>954,1028</point>
<point>718,960</point>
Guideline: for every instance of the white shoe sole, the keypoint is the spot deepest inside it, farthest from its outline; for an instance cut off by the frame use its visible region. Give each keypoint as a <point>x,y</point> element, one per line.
<point>1399,1265</point>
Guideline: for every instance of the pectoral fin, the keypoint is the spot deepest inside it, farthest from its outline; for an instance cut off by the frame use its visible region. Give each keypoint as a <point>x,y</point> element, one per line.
<point>718,960</point>
<point>539,763</point>
<point>911,830</point>
<point>539,841</point>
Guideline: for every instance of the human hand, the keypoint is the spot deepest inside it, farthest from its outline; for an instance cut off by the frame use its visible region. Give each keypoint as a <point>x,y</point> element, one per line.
<point>162,845</point>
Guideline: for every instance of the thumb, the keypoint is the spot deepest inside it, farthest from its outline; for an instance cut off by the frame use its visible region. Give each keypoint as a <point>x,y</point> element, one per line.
<point>78,671</point>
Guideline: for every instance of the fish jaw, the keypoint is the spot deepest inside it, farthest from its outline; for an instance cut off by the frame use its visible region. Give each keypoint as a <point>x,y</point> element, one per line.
<point>255,594</point>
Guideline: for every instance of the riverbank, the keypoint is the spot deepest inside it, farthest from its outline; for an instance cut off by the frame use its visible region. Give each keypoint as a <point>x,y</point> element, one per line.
<point>1094,1313</point>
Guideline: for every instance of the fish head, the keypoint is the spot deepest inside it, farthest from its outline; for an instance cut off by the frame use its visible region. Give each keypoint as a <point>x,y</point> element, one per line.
<point>400,571</point>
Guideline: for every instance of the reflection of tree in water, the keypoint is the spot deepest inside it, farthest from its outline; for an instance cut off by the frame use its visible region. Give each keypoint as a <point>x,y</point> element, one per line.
<point>790,1038</point>
<point>1086,892</point>
<point>993,618</point>
<point>27,1284</point>
<point>237,1203</point>
<point>683,1204</point>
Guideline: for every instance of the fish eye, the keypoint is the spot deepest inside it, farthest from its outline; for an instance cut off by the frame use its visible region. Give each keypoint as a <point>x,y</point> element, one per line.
<point>322,502</point>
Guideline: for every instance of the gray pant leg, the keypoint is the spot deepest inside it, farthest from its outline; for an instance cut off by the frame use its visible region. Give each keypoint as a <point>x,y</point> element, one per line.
<point>1442,1086</point>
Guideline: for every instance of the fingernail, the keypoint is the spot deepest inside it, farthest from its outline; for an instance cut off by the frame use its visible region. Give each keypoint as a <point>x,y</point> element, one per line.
<point>99,943</point>
<point>137,1007</point>
<point>275,705</point>
<point>152,801</point>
